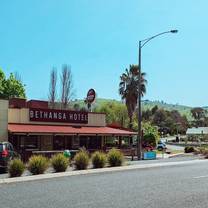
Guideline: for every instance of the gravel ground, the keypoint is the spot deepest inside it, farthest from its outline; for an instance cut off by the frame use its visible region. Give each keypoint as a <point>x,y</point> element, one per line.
<point>128,161</point>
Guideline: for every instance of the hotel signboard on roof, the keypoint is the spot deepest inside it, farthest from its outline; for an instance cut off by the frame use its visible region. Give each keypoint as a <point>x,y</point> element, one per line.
<point>62,116</point>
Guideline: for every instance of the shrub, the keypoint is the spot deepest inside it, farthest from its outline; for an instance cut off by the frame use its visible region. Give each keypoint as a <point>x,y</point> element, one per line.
<point>205,153</point>
<point>81,160</point>
<point>151,134</point>
<point>200,150</point>
<point>115,157</point>
<point>59,162</point>
<point>189,149</point>
<point>99,159</point>
<point>16,168</point>
<point>37,164</point>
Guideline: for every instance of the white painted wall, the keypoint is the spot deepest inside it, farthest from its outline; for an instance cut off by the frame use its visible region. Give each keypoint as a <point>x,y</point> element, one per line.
<point>4,105</point>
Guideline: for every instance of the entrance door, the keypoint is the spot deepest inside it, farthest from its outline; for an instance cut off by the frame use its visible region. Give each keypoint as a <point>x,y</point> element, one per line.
<point>59,143</point>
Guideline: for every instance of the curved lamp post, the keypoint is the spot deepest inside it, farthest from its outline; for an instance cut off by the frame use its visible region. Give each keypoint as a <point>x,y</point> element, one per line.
<point>142,43</point>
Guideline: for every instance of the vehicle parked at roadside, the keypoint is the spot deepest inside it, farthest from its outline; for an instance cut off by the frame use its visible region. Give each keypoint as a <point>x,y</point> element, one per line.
<point>7,153</point>
<point>161,146</point>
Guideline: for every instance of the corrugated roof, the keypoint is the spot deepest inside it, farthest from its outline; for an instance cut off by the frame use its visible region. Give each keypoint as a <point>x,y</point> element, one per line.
<point>45,129</point>
<point>199,130</point>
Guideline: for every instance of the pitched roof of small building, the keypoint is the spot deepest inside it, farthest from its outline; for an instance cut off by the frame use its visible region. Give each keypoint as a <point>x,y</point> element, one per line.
<point>198,130</point>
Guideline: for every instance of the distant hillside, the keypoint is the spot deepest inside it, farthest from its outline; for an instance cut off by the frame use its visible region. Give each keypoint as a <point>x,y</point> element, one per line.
<point>146,104</point>
<point>183,110</point>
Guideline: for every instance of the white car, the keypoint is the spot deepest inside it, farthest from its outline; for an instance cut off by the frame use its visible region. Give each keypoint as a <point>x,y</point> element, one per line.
<point>161,146</point>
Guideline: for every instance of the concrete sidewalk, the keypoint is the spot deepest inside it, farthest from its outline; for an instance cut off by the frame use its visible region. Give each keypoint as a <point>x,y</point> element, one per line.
<point>96,171</point>
<point>165,155</point>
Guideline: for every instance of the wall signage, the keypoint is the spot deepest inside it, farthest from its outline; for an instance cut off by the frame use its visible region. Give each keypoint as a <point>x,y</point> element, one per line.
<point>51,115</point>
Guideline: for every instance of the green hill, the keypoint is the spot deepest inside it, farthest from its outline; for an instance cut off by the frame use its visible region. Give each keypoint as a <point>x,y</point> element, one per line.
<point>183,110</point>
<point>146,104</point>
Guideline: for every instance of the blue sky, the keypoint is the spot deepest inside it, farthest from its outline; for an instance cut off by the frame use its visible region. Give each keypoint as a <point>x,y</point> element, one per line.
<point>99,39</point>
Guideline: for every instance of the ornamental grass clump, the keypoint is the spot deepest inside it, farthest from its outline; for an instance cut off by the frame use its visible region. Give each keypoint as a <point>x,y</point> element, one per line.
<point>81,160</point>
<point>99,160</point>
<point>189,149</point>
<point>59,162</point>
<point>205,153</point>
<point>16,168</point>
<point>38,164</point>
<point>115,157</point>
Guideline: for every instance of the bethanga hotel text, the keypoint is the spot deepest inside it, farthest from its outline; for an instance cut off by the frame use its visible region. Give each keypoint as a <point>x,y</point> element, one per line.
<point>58,116</point>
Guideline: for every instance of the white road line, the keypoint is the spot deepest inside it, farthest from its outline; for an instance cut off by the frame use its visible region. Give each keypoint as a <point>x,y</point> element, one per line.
<point>198,177</point>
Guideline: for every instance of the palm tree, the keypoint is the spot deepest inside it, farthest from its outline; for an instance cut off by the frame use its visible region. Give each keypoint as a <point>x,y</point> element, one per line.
<point>129,89</point>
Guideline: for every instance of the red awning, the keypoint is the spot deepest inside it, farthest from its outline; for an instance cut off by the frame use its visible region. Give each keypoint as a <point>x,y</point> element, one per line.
<point>46,129</point>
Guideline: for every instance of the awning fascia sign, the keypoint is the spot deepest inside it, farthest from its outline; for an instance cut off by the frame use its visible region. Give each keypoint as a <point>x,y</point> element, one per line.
<point>62,116</point>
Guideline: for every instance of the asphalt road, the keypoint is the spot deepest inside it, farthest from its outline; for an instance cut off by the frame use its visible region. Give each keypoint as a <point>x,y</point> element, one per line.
<point>175,186</point>
<point>174,147</point>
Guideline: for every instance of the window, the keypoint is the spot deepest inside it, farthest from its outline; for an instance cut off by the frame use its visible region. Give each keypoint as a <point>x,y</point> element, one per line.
<point>29,142</point>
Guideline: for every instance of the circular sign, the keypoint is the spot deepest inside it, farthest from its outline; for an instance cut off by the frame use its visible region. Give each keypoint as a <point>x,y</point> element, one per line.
<point>91,95</point>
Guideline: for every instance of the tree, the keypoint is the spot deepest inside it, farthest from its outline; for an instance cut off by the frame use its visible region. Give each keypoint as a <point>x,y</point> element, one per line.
<point>199,115</point>
<point>183,125</point>
<point>170,121</point>
<point>154,109</point>
<point>2,81</point>
<point>76,107</point>
<point>17,76</point>
<point>129,89</point>
<point>12,88</point>
<point>146,115</point>
<point>66,86</point>
<point>116,113</point>
<point>151,134</point>
<point>52,87</point>
<point>159,117</point>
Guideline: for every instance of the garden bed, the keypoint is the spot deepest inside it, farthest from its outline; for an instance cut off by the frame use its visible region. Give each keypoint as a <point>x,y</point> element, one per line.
<point>81,161</point>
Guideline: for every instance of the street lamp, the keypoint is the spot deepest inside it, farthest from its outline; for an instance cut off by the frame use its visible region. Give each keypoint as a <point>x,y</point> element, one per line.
<point>142,43</point>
